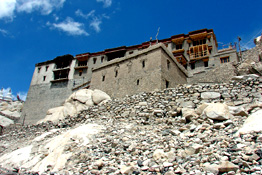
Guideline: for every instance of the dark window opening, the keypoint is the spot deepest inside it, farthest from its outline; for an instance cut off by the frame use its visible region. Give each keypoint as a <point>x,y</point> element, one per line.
<point>115,54</point>
<point>206,63</point>
<point>103,78</point>
<point>185,66</point>
<point>94,60</point>
<point>137,82</point>
<point>199,42</point>
<point>224,60</point>
<point>116,73</point>
<point>82,63</point>
<point>63,61</point>
<point>192,66</point>
<point>131,52</point>
<point>80,72</point>
<point>167,84</point>
<point>39,68</point>
<point>143,63</point>
<point>46,68</point>
<point>63,64</point>
<point>178,46</point>
<point>61,74</point>
<point>102,59</point>
<point>168,64</point>
<point>44,77</point>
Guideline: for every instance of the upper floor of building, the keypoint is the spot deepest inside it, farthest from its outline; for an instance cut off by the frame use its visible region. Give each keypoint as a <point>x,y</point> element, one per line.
<point>196,51</point>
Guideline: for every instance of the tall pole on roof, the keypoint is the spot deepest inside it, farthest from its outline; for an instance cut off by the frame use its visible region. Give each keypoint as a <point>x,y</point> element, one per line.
<point>240,54</point>
<point>157,35</point>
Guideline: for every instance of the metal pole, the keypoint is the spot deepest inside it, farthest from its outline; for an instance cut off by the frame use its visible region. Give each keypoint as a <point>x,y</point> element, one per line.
<point>240,54</point>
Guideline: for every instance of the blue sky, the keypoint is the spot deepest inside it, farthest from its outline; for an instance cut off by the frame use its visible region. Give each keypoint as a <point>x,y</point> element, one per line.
<point>33,31</point>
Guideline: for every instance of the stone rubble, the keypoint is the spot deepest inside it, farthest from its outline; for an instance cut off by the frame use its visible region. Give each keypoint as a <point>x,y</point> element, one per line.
<point>161,132</point>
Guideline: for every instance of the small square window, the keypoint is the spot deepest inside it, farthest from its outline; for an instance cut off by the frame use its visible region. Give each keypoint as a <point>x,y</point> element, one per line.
<point>44,78</point>
<point>206,63</point>
<point>94,60</point>
<point>137,82</point>
<point>192,66</point>
<point>224,60</point>
<point>167,84</point>
<point>103,78</point>
<point>168,64</point>
<point>178,46</point>
<point>143,63</point>
<point>80,72</point>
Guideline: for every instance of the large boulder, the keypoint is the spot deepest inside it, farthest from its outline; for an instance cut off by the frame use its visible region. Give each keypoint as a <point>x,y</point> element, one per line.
<point>83,96</point>
<point>252,123</point>
<point>99,96</point>
<point>5,121</point>
<point>217,111</point>
<point>77,102</point>
<point>54,115</point>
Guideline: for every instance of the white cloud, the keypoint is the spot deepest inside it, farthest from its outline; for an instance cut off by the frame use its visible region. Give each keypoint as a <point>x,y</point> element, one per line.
<point>107,3</point>
<point>71,27</point>
<point>4,32</point>
<point>86,16</point>
<point>7,8</point>
<point>95,24</point>
<point>45,6</point>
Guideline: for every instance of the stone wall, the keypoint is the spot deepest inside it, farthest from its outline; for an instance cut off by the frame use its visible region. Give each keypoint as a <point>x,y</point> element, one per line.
<point>139,72</point>
<point>172,73</point>
<point>42,97</point>
<point>129,75</point>
<point>222,73</point>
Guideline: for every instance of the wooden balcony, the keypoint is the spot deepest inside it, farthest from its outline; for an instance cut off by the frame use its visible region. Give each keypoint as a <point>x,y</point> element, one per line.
<point>199,52</point>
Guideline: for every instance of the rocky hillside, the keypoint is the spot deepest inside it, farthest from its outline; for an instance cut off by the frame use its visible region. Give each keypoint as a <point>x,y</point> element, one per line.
<point>191,129</point>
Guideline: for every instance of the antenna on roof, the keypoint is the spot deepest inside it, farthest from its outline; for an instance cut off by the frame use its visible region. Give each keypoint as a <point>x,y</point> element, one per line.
<point>157,35</point>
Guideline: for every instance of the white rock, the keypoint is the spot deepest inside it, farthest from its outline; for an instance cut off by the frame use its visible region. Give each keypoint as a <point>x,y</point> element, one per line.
<point>99,96</point>
<point>252,123</point>
<point>53,114</point>
<point>210,95</point>
<point>237,111</point>
<point>5,121</point>
<point>159,155</point>
<point>217,111</point>
<point>83,96</point>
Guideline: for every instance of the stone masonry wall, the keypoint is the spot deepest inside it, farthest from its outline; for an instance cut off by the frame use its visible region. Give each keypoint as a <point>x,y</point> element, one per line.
<point>42,97</point>
<point>136,74</point>
<point>222,73</point>
<point>171,72</point>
